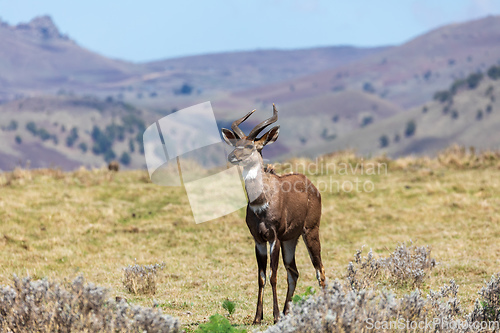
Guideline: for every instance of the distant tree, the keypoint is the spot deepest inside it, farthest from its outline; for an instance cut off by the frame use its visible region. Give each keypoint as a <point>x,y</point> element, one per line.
<point>479,114</point>
<point>18,139</point>
<point>489,108</point>
<point>54,139</point>
<point>102,143</point>
<point>109,99</point>
<point>72,137</point>
<point>153,94</point>
<point>109,155</point>
<point>454,114</point>
<point>368,87</point>
<point>474,79</point>
<point>425,109</point>
<point>410,129</point>
<point>12,126</point>
<point>366,120</point>
<point>131,145</point>
<point>125,158</point>
<point>185,89</point>
<point>63,128</point>
<point>335,118</point>
<point>397,137</point>
<point>451,62</point>
<point>442,96</point>
<point>43,134</point>
<point>427,75</point>
<point>31,127</point>
<point>489,91</point>
<point>384,141</point>
<point>494,72</point>
<point>83,147</point>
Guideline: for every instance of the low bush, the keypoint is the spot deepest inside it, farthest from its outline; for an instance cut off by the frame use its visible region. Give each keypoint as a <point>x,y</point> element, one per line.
<point>141,279</point>
<point>43,306</point>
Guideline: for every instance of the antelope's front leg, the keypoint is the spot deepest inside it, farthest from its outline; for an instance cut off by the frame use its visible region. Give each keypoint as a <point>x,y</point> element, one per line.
<point>261,254</point>
<point>275,257</point>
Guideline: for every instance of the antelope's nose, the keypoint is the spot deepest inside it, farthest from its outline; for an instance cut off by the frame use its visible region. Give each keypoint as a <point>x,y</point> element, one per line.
<point>232,158</point>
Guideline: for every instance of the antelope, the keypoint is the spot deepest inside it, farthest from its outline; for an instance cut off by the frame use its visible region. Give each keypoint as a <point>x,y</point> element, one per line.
<point>280,209</point>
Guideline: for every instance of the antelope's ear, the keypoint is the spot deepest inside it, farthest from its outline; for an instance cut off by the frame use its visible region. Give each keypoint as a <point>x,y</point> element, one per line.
<point>269,137</point>
<point>229,137</point>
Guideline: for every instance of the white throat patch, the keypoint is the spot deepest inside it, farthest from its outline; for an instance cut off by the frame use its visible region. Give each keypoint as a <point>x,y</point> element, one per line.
<point>259,208</point>
<point>252,173</point>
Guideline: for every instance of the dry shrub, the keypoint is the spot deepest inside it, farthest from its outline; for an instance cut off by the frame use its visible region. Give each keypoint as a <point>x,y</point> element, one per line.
<point>458,157</point>
<point>43,306</point>
<point>355,305</point>
<point>338,308</point>
<point>407,265</point>
<point>141,279</point>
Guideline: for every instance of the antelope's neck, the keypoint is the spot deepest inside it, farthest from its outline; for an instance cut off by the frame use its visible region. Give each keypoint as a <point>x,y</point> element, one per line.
<point>254,185</point>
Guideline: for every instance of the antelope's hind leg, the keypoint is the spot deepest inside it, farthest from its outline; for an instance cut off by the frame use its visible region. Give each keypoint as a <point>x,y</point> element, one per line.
<point>288,249</point>
<point>261,254</point>
<point>311,239</point>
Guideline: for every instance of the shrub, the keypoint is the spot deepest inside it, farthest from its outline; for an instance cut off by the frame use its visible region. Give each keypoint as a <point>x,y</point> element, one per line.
<point>83,147</point>
<point>410,129</point>
<point>406,265</point>
<point>141,279</point>
<point>479,114</point>
<point>454,114</point>
<point>217,324</point>
<point>109,155</point>
<point>31,127</point>
<point>72,137</point>
<point>494,72</point>
<point>18,139</point>
<point>425,109</point>
<point>12,126</point>
<point>366,120</point>
<point>131,145</point>
<point>488,307</point>
<point>185,89</point>
<point>384,141</point>
<point>442,96</point>
<point>301,298</point>
<point>473,80</point>
<point>229,306</point>
<point>368,87</point>
<point>43,134</point>
<point>43,306</point>
<point>397,137</point>
<point>125,158</point>
<point>489,108</point>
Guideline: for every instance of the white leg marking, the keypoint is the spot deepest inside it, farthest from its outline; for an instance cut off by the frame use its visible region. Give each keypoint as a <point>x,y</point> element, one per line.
<point>289,251</point>
<point>263,278</point>
<point>261,248</point>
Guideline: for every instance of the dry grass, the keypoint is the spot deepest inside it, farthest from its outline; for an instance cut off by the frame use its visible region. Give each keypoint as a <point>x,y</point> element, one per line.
<point>92,222</point>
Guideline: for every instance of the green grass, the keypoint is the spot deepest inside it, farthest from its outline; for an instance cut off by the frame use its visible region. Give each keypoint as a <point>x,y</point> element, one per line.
<point>58,225</point>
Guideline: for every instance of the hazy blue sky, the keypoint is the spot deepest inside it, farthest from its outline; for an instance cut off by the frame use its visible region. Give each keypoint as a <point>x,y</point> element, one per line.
<point>154,29</point>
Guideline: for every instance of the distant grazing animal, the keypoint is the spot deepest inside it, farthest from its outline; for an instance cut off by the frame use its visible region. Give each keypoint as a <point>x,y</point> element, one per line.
<point>279,211</point>
<point>114,166</point>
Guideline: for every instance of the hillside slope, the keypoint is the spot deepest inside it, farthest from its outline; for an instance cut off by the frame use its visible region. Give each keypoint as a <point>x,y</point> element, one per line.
<point>407,74</point>
<point>469,118</point>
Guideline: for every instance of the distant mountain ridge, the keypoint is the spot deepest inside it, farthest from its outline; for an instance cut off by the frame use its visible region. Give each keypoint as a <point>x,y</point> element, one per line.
<point>329,98</point>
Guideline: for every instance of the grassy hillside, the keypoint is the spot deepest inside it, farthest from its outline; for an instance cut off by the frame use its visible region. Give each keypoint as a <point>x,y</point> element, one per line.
<point>68,131</point>
<point>469,117</point>
<point>93,222</point>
